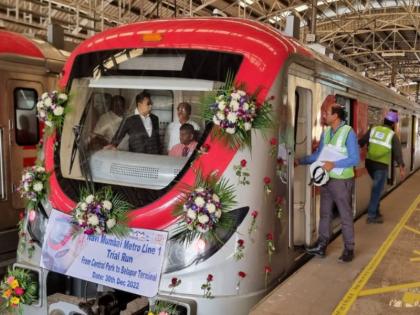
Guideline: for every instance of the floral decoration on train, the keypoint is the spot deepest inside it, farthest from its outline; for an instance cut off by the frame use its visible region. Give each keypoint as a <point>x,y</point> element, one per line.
<point>174,283</point>
<point>162,308</point>
<point>34,185</point>
<point>267,272</point>
<point>206,287</point>
<point>270,245</point>
<point>235,113</point>
<point>253,225</point>
<point>241,275</point>
<point>278,204</point>
<point>205,207</point>
<point>101,213</point>
<point>267,185</point>
<point>242,172</point>
<point>16,289</point>
<point>239,251</point>
<point>24,245</point>
<point>52,108</point>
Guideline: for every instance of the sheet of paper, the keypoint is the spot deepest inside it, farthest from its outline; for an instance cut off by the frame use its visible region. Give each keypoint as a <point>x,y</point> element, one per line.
<point>329,153</point>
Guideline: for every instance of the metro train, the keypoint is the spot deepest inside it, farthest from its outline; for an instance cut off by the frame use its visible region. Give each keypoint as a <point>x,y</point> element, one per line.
<point>27,67</point>
<point>183,60</point>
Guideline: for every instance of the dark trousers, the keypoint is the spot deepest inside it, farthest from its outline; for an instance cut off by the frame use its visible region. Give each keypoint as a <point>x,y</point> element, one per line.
<point>338,192</point>
<point>379,177</point>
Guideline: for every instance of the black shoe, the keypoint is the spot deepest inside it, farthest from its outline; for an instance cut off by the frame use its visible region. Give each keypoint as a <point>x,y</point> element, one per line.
<point>317,250</point>
<point>346,256</point>
<point>375,220</point>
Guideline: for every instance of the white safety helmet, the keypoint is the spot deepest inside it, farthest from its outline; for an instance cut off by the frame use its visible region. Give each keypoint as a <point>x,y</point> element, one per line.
<point>319,176</point>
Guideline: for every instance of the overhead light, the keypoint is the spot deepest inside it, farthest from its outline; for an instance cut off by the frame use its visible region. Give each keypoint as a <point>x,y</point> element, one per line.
<point>393,54</point>
<point>301,8</point>
<point>245,3</point>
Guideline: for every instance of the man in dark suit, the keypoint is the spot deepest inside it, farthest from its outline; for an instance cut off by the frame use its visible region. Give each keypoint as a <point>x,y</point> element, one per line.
<point>142,128</point>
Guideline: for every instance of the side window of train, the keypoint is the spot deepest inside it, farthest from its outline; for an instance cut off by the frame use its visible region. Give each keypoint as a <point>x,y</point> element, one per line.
<point>375,116</point>
<point>348,105</point>
<point>26,121</point>
<point>404,130</point>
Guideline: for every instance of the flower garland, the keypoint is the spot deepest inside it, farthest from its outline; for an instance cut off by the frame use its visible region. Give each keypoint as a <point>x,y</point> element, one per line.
<point>239,252</point>
<point>235,113</point>
<point>52,108</point>
<point>206,287</point>
<point>17,288</point>
<point>23,242</point>
<point>101,213</point>
<point>242,172</point>
<point>205,208</point>
<point>34,185</point>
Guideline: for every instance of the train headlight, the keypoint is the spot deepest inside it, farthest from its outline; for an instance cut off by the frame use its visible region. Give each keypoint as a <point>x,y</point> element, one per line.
<point>37,225</point>
<point>180,255</point>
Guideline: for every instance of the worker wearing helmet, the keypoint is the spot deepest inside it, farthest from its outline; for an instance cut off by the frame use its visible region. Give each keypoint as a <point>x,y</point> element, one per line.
<point>383,144</point>
<point>337,187</point>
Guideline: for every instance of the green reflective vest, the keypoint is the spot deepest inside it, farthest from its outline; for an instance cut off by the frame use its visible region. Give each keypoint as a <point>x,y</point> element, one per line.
<point>380,144</point>
<point>338,143</point>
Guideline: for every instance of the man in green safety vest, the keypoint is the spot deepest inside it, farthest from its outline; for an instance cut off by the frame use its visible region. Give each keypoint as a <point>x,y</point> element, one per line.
<point>339,139</point>
<point>383,144</point>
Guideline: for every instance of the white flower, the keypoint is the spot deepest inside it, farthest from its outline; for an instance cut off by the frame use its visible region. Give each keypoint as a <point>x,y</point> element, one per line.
<point>203,218</point>
<point>44,95</point>
<point>38,186</point>
<point>58,111</point>
<point>247,126</point>
<point>211,207</point>
<point>234,105</point>
<point>245,106</point>
<point>62,97</point>
<point>230,130</point>
<point>39,105</point>
<point>220,115</point>
<point>199,189</point>
<point>232,117</point>
<point>98,230</point>
<point>42,114</point>
<point>235,96</point>
<point>93,219</point>
<point>241,93</point>
<point>199,201</point>
<point>107,204</point>
<point>40,169</point>
<point>110,223</point>
<point>191,214</point>
<point>222,105</point>
<point>220,98</point>
<point>218,213</point>
<point>80,221</point>
<point>26,186</point>
<point>49,123</point>
<point>202,229</point>
<point>89,198</point>
<point>83,206</point>
<point>216,120</point>
<point>47,102</point>
<point>216,198</point>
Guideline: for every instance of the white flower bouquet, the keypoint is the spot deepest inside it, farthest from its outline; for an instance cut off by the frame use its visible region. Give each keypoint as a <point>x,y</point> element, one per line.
<point>34,185</point>
<point>51,109</point>
<point>204,208</point>
<point>101,213</point>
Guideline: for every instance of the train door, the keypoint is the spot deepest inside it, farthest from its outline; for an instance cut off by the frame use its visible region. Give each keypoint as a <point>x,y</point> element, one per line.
<point>414,132</point>
<point>24,131</point>
<point>302,223</point>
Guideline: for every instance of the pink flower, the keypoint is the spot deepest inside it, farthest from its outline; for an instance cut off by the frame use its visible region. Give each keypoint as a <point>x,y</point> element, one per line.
<point>21,215</point>
<point>254,214</point>
<point>210,277</point>
<point>273,141</point>
<point>163,313</point>
<point>19,291</point>
<point>241,274</point>
<point>10,279</point>
<point>267,180</point>
<point>267,269</point>
<point>243,163</point>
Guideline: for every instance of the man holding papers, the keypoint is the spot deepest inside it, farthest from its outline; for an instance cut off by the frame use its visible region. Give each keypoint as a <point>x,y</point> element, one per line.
<point>339,152</point>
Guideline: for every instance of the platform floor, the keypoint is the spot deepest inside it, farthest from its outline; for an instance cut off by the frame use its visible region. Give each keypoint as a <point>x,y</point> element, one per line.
<point>384,277</point>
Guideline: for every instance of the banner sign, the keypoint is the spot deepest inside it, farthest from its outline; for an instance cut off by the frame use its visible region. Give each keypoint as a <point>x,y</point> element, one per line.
<point>131,264</point>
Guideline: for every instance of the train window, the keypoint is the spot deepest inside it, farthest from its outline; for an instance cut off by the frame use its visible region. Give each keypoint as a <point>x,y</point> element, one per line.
<point>375,116</point>
<point>26,121</point>
<point>404,130</point>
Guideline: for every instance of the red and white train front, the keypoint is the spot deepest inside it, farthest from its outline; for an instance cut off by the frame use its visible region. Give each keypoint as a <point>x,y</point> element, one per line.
<point>180,61</point>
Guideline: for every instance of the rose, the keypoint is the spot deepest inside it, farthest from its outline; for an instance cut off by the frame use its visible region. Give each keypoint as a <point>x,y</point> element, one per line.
<point>38,186</point>
<point>199,201</point>
<point>273,141</point>
<point>174,281</point>
<point>269,236</point>
<point>241,274</point>
<point>267,180</point>
<point>107,204</point>
<point>19,291</point>
<point>267,269</point>
<point>210,277</point>
<point>241,242</point>
<point>243,163</point>
<point>254,214</point>
<point>89,198</point>
<point>93,219</point>
<point>58,111</point>
<point>203,218</point>
<point>110,223</point>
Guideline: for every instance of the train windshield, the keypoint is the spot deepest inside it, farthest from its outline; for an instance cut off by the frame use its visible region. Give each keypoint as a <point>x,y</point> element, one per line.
<point>124,127</point>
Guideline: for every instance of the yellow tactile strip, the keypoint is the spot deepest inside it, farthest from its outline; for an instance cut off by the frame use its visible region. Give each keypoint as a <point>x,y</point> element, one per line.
<point>357,289</point>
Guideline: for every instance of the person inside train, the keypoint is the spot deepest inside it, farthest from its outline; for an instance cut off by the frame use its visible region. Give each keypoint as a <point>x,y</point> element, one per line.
<point>108,122</point>
<point>187,143</point>
<point>24,133</point>
<point>173,130</point>
<point>383,147</point>
<point>338,190</point>
<point>142,128</point>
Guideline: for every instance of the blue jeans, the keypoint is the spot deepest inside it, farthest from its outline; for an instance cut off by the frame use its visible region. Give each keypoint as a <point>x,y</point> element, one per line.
<point>379,177</point>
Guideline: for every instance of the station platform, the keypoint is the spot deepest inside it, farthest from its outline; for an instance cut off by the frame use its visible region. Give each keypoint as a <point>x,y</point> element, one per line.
<point>384,277</point>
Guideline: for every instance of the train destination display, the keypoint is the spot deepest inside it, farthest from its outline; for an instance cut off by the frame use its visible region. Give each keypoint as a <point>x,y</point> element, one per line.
<point>131,264</point>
